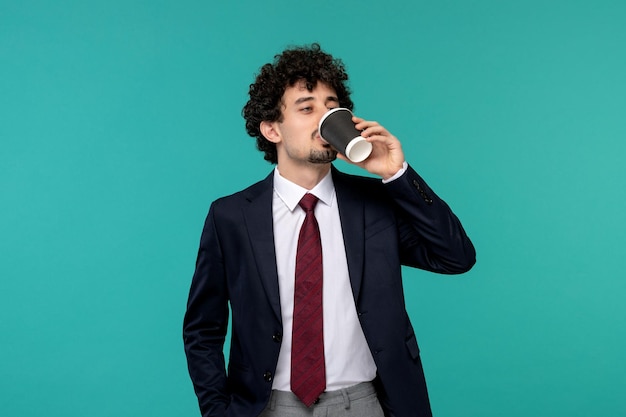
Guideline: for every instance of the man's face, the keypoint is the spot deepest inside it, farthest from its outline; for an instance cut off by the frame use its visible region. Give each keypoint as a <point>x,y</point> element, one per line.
<point>298,140</point>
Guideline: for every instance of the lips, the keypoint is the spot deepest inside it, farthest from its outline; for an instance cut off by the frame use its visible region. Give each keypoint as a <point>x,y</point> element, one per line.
<point>316,136</point>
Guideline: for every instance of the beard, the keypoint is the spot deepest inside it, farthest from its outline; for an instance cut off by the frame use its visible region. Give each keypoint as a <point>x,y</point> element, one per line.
<point>322,157</point>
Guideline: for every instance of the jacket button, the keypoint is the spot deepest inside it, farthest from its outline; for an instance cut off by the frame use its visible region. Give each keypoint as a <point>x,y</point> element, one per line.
<point>277,338</point>
<point>425,196</point>
<point>267,376</point>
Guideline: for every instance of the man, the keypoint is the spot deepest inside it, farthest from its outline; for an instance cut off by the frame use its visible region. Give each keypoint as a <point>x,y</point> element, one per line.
<point>341,344</point>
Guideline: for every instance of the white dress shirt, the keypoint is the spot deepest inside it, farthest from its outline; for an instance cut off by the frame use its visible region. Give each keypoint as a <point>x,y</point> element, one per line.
<point>348,358</point>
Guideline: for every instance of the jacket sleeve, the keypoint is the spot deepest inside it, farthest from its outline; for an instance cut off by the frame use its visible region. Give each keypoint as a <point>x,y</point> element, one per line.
<point>431,236</point>
<point>205,324</point>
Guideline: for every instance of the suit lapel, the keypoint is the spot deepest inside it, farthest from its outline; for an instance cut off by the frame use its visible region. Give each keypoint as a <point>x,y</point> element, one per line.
<point>351,214</point>
<point>259,223</point>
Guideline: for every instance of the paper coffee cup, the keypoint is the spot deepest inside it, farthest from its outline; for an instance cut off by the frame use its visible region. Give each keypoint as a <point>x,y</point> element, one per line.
<point>337,128</point>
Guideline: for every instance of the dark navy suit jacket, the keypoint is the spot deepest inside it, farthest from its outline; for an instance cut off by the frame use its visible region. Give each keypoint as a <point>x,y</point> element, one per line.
<point>384,226</point>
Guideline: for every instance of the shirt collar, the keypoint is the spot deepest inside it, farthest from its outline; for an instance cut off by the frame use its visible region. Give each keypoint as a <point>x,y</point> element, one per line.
<point>291,193</point>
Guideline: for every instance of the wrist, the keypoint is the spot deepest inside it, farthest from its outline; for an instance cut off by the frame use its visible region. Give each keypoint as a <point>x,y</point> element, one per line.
<point>396,174</point>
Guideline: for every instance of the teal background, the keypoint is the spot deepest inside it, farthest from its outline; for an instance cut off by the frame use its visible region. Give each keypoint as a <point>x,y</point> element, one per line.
<point>120,123</point>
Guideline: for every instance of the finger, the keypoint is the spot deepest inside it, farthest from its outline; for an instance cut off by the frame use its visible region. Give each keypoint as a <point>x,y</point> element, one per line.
<point>362,124</point>
<point>374,130</point>
<point>382,139</point>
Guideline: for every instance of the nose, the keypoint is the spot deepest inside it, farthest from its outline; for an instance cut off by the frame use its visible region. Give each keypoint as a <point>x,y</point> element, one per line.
<point>320,112</point>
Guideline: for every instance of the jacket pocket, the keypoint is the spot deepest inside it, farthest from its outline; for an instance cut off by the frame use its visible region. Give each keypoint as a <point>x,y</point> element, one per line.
<point>377,227</point>
<point>411,344</point>
<point>237,367</point>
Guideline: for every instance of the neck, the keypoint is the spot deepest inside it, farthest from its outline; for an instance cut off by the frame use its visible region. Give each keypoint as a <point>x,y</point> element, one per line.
<point>306,176</point>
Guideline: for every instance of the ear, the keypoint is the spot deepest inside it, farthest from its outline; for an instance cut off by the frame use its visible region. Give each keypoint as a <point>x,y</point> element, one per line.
<point>270,131</point>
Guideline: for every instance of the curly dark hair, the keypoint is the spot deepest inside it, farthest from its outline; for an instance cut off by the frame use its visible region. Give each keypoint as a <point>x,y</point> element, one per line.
<point>306,63</point>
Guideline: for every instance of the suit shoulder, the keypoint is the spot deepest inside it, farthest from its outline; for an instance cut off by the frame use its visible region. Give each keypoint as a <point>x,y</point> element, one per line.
<point>358,185</point>
<point>247,194</point>
<point>357,180</point>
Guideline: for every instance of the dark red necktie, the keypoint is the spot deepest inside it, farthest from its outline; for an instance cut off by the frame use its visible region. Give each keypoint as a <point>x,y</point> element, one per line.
<point>308,371</point>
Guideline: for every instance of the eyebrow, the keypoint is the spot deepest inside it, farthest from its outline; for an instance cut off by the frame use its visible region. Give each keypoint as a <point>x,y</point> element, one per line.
<point>311,98</point>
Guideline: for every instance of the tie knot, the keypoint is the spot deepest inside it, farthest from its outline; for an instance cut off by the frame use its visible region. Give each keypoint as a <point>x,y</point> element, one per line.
<point>308,202</point>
